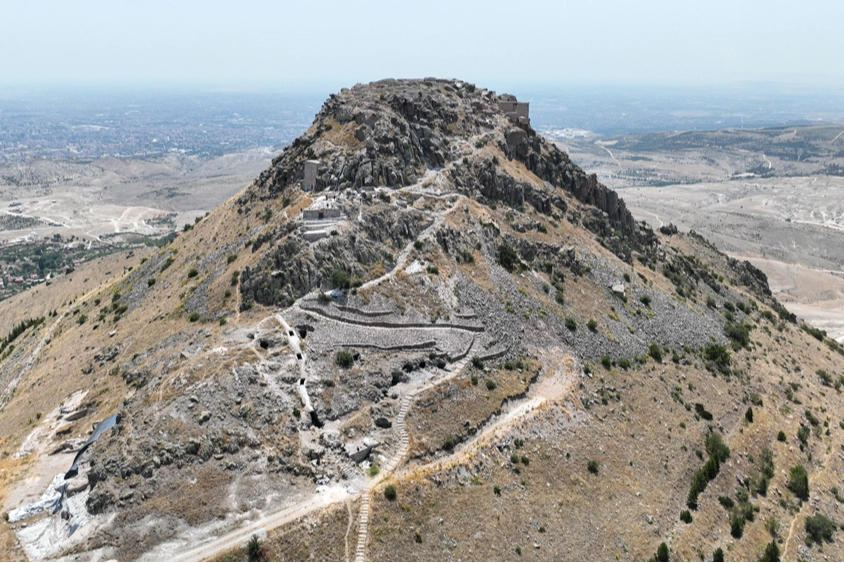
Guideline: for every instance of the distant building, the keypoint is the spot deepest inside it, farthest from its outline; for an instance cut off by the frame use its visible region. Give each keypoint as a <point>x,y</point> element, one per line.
<point>517,111</point>
<point>311,167</point>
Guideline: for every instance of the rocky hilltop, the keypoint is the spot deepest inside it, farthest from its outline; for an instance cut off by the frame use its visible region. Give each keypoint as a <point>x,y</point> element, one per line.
<point>422,311</point>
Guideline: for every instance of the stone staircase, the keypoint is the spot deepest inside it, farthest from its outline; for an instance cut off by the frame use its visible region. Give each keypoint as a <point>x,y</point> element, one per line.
<point>387,469</point>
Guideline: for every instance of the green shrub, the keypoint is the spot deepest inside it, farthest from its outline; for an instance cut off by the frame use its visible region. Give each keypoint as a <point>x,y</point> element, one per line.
<point>474,380</point>
<point>737,522</point>
<point>344,359</point>
<point>798,482</point>
<point>525,460</point>
<point>718,555</point>
<point>254,549</point>
<point>815,332</point>
<point>771,553</point>
<point>373,470</point>
<point>514,458</point>
<point>235,277</point>
<point>662,553</point>
<point>592,325</point>
<point>150,282</point>
<point>710,302</point>
<point>571,324</point>
<point>449,443</point>
<point>803,434</point>
<point>81,319</point>
<point>592,466</point>
<point>717,354</point>
<point>223,321</point>
<point>748,414</point>
<point>606,361</point>
<point>192,273</point>
<point>497,490</point>
<point>433,270</point>
<point>227,294</point>
<point>781,436</point>
<point>231,258</point>
<point>624,363</point>
<point>738,334</point>
<point>417,538</point>
<point>819,528</point>
<point>390,492</point>
<point>686,516</point>
<point>477,363</point>
<point>193,317</point>
<point>655,352</point>
<point>645,299</point>
<point>417,244</point>
<point>508,258</point>
<point>825,378</point>
<point>341,279</point>
<point>490,384</point>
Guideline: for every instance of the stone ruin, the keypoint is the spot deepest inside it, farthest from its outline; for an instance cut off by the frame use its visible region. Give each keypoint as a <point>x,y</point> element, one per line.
<point>515,110</point>
<point>311,168</point>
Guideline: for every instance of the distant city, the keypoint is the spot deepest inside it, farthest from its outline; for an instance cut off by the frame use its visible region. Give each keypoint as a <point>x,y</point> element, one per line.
<point>81,125</point>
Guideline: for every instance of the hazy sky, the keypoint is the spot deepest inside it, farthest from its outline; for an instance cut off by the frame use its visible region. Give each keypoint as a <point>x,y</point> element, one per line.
<point>307,44</point>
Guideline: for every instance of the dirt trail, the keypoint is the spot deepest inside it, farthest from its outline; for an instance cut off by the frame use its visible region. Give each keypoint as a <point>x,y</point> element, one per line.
<point>241,535</point>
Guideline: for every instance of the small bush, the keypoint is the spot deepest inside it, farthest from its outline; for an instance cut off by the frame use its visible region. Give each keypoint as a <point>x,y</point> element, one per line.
<point>254,549</point>
<point>645,299</point>
<point>710,302</point>
<point>592,466</point>
<point>525,460</point>
<point>624,363</point>
<point>686,517</point>
<point>341,279</point>
<point>606,361</point>
<point>474,380</point>
<point>235,277</point>
<point>571,324</point>
<point>373,470</point>
<point>491,385</point>
<point>477,363</point>
<point>497,490</point>
<point>150,282</point>
<point>592,325</point>
<point>718,555</point>
<point>655,352</point>
<point>193,317</point>
<point>223,321</point>
<point>344,359</point>
<point>227,294</point>
<point>771,553</point>
<point>449,443</point>
<point>819,528</point>
<point>81,319</point>
<point>418,538</point>
<point>798,482</point>
<point>781,436</point>
<point>390,492</point>
<point>417,244</point>
<point>192,273</point>
<point>662,553</point>
<point>433,270</point>
<point>748,414</point>
<point>231,258</point>
<point>508,258</point>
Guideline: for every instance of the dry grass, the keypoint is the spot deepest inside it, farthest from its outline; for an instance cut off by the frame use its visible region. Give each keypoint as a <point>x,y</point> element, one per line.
<point>322,536</point>
<point>453,410</point>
